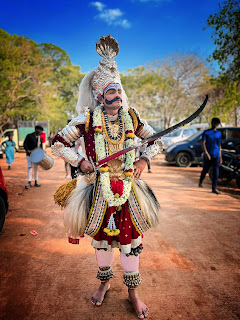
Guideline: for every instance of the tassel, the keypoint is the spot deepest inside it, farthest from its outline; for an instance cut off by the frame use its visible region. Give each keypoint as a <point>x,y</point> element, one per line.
<point>111,229</point>
<point>63,192</point>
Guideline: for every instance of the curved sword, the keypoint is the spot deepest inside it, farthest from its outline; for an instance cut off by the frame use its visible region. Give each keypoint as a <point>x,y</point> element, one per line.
<point>98,164</point>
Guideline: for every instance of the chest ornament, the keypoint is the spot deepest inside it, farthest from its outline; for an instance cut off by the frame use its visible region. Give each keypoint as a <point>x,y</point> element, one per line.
<point>101,131</point>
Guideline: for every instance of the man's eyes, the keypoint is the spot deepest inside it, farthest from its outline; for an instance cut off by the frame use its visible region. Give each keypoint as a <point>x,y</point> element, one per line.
<point>113,91</point>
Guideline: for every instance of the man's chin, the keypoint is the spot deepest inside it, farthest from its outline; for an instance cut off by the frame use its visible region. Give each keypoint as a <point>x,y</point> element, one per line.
<point>114,105</point>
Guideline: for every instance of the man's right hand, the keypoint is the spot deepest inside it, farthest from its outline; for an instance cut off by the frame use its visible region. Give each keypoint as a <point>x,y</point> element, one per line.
<point>86,166</point>
<point>208,155</point>
<point>28,152</point>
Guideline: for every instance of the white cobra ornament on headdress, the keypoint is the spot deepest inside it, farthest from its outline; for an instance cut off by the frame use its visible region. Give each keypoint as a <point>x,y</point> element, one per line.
<point>107,72</point>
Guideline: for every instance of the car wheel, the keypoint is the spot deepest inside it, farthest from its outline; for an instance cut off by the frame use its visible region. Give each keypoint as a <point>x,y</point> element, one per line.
<point>183,159</point>
<point>238,180</point>
<point>224,177</point>
<point>3,212</point>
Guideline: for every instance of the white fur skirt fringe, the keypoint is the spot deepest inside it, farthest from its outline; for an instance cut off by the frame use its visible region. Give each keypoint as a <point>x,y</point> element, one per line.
<point>79,205</point>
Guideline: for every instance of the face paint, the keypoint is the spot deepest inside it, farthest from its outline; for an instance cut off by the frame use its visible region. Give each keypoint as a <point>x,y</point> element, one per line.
<point>113,88</point>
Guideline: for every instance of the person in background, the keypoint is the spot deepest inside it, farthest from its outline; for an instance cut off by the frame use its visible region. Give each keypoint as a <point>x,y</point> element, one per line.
<point>78,148</point>
<point>43,137</point>
<point>50,138</point>
<point>142,149</point>
<point>31,142</point>
<point>211,142</point>
<point>67,167</point>
<point>9,150</point>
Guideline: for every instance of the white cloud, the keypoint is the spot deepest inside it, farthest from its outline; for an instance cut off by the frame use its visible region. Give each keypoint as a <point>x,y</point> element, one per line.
<point>98,5</point>
<point>113,17</point>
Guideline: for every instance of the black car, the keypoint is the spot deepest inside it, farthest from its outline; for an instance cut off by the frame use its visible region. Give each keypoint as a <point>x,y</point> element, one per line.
<point>190,151</point>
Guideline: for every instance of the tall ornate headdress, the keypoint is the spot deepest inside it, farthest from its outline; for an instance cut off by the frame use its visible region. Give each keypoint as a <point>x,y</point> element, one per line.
<point>97,79</point>
<point>107,72</point>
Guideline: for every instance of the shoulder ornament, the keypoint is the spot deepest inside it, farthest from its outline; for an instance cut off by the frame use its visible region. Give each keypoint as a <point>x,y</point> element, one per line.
<point>145,130</point>
<point>81,118</point>
<point>133,113</point>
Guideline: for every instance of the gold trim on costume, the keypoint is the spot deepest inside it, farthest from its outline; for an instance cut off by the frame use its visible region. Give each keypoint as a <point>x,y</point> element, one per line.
<point>134,117</point>
<point>103,215</point>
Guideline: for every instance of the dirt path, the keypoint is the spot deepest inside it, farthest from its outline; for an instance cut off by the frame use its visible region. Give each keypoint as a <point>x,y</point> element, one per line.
<point>189,265</point>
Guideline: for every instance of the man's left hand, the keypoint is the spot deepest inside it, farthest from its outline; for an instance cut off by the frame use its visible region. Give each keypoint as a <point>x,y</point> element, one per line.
<point>139,167</point>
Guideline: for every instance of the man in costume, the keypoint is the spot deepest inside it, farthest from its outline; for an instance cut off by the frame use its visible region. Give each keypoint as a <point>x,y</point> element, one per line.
<point>113,206</point>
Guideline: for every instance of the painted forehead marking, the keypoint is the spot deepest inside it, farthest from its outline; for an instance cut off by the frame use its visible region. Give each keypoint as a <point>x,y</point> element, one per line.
<point>115,86</point>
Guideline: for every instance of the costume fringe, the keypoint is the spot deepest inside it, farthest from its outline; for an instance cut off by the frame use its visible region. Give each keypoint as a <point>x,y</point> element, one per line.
<point>78,208</point>
<point>147,201</point>
<point>63,193</point>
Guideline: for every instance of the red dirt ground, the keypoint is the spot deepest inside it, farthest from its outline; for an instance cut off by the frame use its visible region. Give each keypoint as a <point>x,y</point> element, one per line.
<point>189,265</point>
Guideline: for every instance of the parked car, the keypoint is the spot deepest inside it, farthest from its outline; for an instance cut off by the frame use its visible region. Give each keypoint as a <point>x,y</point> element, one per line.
<point>178,135</point>
<point>185,153</point>
<point>199,126</point>
<point>3,200</point>
<point>190,151</point>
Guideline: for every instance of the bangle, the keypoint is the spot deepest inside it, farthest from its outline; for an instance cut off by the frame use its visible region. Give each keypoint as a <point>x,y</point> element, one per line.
<point>81,161</point>
<point>145,159</point>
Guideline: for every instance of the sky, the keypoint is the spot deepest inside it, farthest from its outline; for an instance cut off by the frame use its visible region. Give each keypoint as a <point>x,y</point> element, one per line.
<point>145,29</point>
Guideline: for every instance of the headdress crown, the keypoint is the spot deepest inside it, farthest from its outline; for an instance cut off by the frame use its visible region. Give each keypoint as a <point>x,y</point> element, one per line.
<point>107,72</point>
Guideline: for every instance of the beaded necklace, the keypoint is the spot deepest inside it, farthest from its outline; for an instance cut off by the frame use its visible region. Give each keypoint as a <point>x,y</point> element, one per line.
<point>114,200</point>
<point>121,124</point>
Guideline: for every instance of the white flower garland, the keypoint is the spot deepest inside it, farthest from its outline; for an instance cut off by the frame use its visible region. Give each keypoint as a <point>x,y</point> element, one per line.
<point>101,153</point>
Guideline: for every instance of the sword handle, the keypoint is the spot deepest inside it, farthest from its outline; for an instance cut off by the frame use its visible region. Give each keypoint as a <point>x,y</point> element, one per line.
<point>93,164</point>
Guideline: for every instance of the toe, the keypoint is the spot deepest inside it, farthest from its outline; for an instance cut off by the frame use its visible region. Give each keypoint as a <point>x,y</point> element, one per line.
<point>98,303</point>
<point>145,312</point>
<point>140,316</point>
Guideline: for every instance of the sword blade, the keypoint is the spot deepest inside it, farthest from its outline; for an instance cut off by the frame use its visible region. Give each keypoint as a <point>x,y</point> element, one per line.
<point>155,136</point>
<point>178,125</point>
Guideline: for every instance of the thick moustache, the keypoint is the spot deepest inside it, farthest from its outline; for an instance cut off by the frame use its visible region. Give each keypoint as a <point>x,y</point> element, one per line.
<point>113,100</point>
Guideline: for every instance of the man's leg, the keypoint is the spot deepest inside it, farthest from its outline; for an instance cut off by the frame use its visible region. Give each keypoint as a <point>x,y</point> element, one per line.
<point>29,173</point>
<point>132,280</point>
<point>104,274</point>
<point>206,166</point>
<point>66,169</point>
<point>215,166</point>
<point>35,170</point>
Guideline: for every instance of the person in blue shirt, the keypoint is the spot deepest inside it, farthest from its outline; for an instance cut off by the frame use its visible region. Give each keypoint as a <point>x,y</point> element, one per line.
<point>9,150</point>
<point>211,142</point>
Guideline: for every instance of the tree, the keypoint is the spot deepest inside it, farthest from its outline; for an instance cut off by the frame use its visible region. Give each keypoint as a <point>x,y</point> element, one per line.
<point>167,89</point>
<point>36,81</point>
<point>226,38</point>
<point>227,53</point>
<point>18,57</point>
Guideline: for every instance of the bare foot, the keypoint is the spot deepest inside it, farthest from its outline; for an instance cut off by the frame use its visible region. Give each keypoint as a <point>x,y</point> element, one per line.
<point>140,307</point>
<point>98,296</point>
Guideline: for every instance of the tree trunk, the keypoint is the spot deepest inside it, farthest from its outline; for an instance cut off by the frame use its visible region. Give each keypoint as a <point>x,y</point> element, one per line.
<point>236,115</point>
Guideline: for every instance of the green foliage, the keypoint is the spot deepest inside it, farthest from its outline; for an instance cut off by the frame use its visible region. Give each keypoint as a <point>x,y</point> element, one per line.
<point>227,53</point>
<point>167,89</point>
<point>36,81</point>
<point>39,82</point>
<point>226,38</point>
